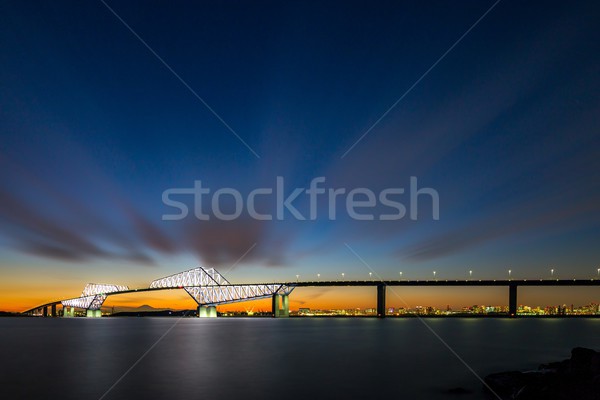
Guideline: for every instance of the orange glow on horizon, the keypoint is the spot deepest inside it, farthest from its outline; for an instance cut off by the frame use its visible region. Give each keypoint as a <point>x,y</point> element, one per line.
<point>15,299</point>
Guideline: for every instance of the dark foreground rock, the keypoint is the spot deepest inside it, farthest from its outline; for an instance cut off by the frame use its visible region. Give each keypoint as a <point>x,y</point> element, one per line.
<point>577,378</point>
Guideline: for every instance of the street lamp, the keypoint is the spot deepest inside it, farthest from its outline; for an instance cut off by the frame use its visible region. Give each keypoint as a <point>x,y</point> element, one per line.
<point>401,273</point>
<point>319,277</point>
<point>433,274</point>
<point>371,275</point>
<point>343,276</point>
<point>297,277</point>
<point>509,272</point>
<point>598,271</point>
<point>470,273</point>
<point>552,272</point>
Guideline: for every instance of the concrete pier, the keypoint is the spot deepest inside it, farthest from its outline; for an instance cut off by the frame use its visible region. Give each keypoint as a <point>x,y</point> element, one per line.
<point>381,300</point>
<point>207,312</point>
<point>283,310</point>
<point>512,300</point>
<point>93,314</point>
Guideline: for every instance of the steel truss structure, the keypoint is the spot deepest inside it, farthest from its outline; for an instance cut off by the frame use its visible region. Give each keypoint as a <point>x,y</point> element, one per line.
<point>208,287</point>
<point>193,277</point>
<point>93,296</point>
<point>224,294</point>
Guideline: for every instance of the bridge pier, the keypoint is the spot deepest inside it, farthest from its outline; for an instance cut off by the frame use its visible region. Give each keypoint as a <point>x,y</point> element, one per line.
<point>93,314</point>
<point>512,300</point>
<point>53,310</point>
<point>207,312</point>
<point>68,313</point>
<point>381,300</point>
<point>284,311</point>
<point>44,311</point>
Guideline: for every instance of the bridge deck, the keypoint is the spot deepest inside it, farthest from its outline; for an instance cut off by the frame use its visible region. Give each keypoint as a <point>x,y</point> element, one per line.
<point>454,282</point>
<point>375,283</point>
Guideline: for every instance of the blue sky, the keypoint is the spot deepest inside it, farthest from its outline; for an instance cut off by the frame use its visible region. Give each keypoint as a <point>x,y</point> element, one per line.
<point>94,128</point>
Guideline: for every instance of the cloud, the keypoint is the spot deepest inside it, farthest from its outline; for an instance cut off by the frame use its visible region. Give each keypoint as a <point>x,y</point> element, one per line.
<point>224,243</point>
<point>527,217</point>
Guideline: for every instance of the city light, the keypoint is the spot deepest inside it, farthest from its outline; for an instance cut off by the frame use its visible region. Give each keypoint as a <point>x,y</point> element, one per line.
<point>475,311</point>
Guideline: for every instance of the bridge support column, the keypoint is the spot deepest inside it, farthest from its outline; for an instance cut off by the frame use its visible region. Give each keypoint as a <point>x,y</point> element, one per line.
<point>53,310</point>
<point>202,313</point>
<point>275,306</point>
<point>68,312</point>
<point>285,303</point>
<point>284,310</point>
<point>512,300</point>
<point>212,312</point>
<point>207,312</point>
<point>381,300</point>
<point>44,311</point>
<point>93,314</point>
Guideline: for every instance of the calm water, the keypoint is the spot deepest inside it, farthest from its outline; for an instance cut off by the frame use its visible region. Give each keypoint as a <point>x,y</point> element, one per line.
<point>272,358</point>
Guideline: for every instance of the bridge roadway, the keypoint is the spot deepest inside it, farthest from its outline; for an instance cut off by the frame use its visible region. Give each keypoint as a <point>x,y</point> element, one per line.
<point>453,282</point>
<point>512,284</point>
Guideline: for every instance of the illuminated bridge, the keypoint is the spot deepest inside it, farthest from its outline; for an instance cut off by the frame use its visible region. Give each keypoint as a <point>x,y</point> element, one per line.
<point>209,288</point>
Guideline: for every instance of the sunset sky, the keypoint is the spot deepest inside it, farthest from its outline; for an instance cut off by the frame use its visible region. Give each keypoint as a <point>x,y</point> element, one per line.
<point>96,122</point>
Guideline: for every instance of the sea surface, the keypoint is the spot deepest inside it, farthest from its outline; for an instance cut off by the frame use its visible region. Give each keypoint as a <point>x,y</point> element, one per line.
<point>264,358</point>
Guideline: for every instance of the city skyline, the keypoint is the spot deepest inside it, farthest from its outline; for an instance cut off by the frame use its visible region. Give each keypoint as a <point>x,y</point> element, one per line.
<point>105,109</point>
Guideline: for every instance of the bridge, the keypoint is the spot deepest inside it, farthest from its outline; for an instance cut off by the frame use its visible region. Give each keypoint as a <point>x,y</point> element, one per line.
<point>208,288</point>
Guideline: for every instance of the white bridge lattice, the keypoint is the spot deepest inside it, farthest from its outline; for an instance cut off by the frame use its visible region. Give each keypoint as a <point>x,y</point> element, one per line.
<point>208,287</point>
<point>193,277</point>
<point>93,296</point>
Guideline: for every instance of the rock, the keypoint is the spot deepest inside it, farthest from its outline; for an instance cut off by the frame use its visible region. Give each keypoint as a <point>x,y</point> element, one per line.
<point>508,384</point>
<point>575,378</point>
<point>583,360</point>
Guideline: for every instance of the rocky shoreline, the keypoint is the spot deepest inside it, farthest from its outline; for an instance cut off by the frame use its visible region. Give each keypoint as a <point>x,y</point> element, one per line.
<point>577,378</point>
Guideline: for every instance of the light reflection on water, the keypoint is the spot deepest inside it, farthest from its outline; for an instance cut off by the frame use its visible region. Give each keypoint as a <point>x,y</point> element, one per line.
<point>272,358</point>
